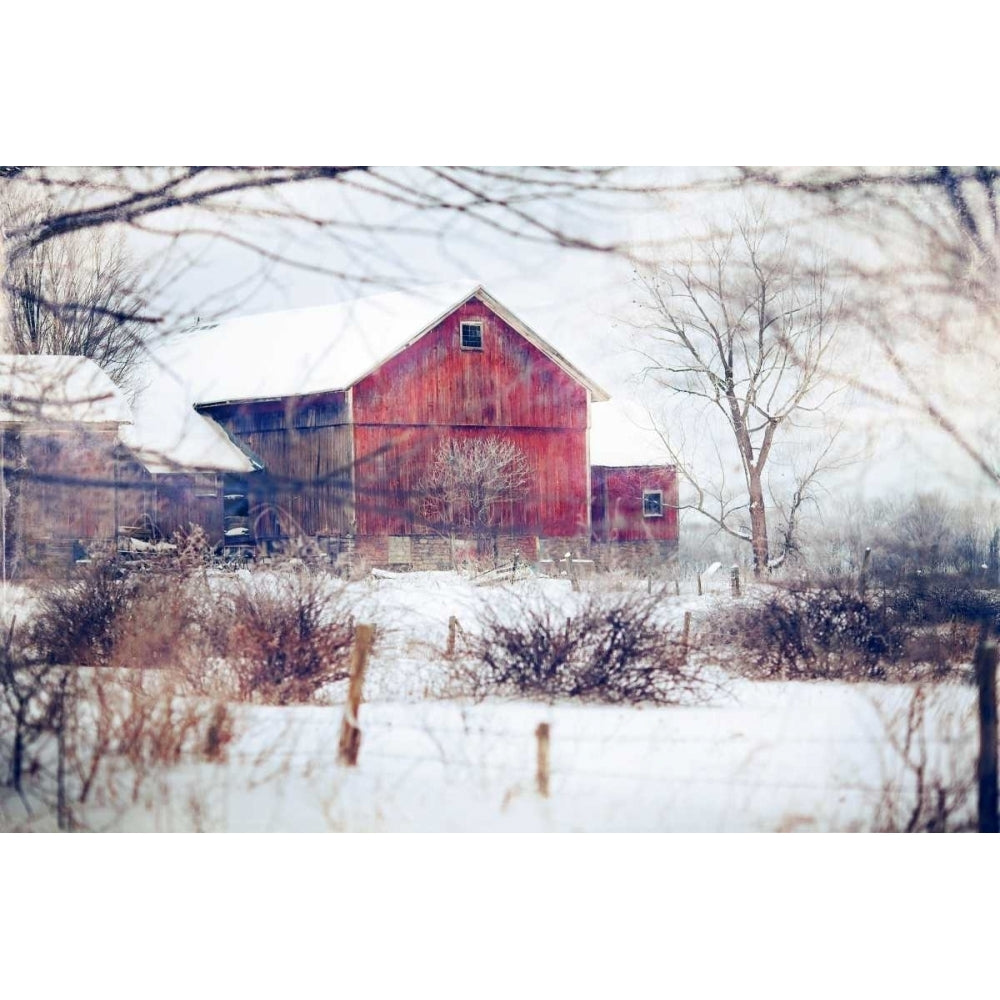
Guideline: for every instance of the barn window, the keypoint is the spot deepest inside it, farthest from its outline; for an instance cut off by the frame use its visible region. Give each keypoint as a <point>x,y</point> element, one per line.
<point>652,503</point>
<point>472,335</point>
<point>206,484</point>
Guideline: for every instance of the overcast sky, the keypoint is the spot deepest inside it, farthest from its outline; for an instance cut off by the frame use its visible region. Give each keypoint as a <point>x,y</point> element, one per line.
<point>579,300</point>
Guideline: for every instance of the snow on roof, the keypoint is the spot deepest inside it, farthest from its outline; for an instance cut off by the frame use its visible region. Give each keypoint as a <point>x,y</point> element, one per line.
<point>621,433</point>
<point>50,388</point>
<point>323,348</point>
<point>168,435</point>
<point>302,351</point>
<point>290,353</point>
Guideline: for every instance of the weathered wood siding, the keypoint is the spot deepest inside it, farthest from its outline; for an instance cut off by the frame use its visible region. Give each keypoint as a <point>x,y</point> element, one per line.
<point>617,509</point>
<point>509,383</point>
<point>392,461</point>
<point>175,501</point>
<point>304,443</point>
<point>69,478</point>
<point>64,477</point>
<point>435,390</point>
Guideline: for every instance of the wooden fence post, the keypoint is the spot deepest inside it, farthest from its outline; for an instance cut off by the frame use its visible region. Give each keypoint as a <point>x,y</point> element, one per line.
<point>686,640</point>
<point>574,583</point>
<point>452,633</point>
<point>699,584</point>
<point>350,730</point>
<point>863,577</point>
<point>734,581</point>
<point>62,810</point>
<point>677,588</point>
<point>542,774</point>
<point>986,679</point>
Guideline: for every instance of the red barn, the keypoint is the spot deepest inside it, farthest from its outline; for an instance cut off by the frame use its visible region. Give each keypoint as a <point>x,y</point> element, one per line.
<point>333,416</point>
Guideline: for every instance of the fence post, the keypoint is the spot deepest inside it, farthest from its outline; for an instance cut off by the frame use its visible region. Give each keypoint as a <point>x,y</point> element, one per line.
<point>699,584</point>
<point>542,773</point>
<point>63,819</point>
<point>986,679</point>
<point>350,731</point>
<point>863,577</point>
<point>686,639</point>
<point>452,633</point>
<point>734,581</point>
<point>574,584</point>
<point>677,588</point>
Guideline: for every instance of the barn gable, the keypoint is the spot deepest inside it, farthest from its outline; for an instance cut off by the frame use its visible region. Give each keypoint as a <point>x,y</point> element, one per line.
<point>506,380</point>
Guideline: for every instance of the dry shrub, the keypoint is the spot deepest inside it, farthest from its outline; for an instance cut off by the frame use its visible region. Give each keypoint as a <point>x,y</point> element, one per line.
<point>832,631</point>
<point>800,633</point>
<point>123,726</point>
<point>289,636</point>
<point>614,649</point>
<point>179,624</point>
<point>77,622</point>
<point>28,707</point>
<point>276,638</point>
<point>930,785</point>
<point>194,550</point>
<point>93,737</point>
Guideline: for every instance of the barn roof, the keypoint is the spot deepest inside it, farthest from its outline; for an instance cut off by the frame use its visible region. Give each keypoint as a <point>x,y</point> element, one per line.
<point>292,353</point>
<point>50,388</point>
<point>326,348</point>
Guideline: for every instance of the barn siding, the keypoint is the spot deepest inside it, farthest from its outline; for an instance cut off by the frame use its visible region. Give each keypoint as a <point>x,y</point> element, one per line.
<point>435,390</point>
<point>68,495</point>
<point>391,462</point>
<point>509,383</point>
<point>304,443</point>
<point>174,503</point>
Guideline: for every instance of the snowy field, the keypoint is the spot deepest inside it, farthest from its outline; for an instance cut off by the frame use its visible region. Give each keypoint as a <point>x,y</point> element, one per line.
<point>754,756</point>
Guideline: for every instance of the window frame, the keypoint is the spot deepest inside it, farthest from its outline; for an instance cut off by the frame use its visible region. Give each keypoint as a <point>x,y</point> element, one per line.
<point>199,485</point>
<point>461,333</point>
<point>659,503</point>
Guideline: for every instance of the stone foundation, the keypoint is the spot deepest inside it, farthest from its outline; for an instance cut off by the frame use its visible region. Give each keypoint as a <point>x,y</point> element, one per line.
<point>436,552</point>
<point>654,556</point>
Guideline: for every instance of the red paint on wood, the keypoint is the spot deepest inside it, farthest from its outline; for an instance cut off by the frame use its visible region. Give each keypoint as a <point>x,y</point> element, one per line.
<point>391,462</point>
<point>617,507</point>
<point>509,383</point>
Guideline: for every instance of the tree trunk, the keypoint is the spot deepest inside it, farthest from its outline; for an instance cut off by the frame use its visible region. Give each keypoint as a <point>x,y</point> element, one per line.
<point>12,461</point>
<point>758,526</point>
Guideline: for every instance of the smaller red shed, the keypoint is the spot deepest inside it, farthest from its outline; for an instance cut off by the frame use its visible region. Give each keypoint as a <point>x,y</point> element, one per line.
<point>634,503</point>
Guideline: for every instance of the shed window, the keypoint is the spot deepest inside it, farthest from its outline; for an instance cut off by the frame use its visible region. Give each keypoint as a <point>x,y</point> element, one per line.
<point>472,336</point>
<point>206,484</point>
<point>652,503</point>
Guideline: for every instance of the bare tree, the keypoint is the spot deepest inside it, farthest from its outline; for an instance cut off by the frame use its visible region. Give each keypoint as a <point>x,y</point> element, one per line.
<point>922,252</point>
<point>77,295</point>
<point>469,483</point>
<point>741,331</point>
<point>342,222</point>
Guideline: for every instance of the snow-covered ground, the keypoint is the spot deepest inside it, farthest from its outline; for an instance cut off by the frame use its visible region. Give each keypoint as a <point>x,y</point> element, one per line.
<point>753,757</point>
